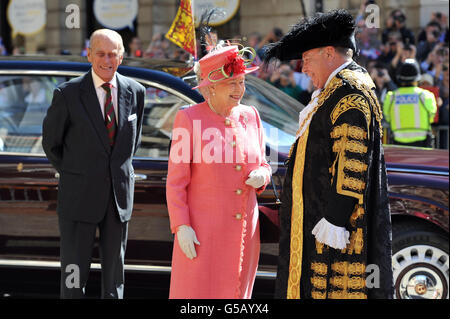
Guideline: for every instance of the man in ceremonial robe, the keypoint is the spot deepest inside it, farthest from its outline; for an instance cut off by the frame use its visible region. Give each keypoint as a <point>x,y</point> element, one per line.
<point>335,226</point>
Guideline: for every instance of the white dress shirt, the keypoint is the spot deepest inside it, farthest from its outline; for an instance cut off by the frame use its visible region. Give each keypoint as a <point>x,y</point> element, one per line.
<point>101,93</point>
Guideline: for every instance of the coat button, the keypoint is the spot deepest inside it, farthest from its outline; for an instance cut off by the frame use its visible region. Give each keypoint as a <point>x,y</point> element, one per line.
<point>233,143</point>
<point>238,216</point>
<point>227,122</point>
<point>238,167</point>
<point>239,191</point>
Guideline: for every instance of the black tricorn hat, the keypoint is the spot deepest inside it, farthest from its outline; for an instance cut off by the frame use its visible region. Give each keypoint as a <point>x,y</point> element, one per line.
<point>335,28</point>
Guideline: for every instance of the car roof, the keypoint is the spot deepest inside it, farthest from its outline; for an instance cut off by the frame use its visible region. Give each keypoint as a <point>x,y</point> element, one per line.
<point>174,67</point>
<point>416,158</point>
<point>163,71</point>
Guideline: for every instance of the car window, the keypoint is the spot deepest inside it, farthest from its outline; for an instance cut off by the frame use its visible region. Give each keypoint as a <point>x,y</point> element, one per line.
<point>24,101</point>
<point>160,109</point>
<point>278,111</point>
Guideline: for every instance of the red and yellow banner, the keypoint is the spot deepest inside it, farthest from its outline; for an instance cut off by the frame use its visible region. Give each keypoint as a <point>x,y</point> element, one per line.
<point>182,31</point>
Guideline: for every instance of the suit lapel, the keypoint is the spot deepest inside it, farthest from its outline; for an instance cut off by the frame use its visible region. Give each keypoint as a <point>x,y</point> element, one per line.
<point>92,106</point>
<point>124,94</point>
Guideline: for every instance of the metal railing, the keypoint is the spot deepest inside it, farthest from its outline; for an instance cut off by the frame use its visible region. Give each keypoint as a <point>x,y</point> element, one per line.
<point>441,136</point>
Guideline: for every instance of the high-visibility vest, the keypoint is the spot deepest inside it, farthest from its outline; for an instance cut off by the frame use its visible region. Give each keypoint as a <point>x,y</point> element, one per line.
<point>409,112</point>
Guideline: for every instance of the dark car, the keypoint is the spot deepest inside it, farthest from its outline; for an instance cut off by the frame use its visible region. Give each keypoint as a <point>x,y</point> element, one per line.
<point>29,238</point>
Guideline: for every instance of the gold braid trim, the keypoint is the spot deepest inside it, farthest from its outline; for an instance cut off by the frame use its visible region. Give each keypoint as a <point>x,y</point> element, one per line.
<point>351,146</point>
<point>356,242</point>
<point>319,247</point>
<point>355,165</point>
<point>318,295</point>
<point>350,130</point>
<point>351,101</point>
<point>364,83</point>
<point>346,295</point>
<point>345,282</point>
<point>319,268</point>
<point>295,262</point>
<point>334,84</point>
<point>353,184</point>
<point>319,282</point>
<point>344,268</point>
<point>357,213</point>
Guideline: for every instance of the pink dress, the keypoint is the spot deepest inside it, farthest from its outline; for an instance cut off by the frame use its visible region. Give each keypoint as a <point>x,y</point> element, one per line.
<point>209,163</point>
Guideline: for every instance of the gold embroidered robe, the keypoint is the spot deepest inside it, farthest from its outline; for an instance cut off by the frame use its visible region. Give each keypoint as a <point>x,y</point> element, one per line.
<point>337,171</point>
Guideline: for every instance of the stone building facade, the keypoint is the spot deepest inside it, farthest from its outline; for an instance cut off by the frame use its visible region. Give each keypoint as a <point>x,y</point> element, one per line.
<point>156,16</point>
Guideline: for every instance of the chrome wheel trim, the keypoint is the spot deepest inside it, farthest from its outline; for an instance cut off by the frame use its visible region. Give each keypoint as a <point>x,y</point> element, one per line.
<point>421,272</point>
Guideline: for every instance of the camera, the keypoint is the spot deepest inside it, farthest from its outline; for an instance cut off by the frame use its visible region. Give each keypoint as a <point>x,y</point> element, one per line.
<point>436,33</point>
<point>400,18</point>
<point>442,52</point>
<point>285,73</point>
<point>380,73</point>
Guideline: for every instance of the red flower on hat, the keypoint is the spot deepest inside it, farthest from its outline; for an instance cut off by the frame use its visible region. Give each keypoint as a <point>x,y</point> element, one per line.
<point>235,64</point>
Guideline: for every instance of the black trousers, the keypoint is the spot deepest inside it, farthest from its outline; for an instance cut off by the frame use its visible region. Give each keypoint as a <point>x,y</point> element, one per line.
<point>77,242</point>
<point>425,143</point>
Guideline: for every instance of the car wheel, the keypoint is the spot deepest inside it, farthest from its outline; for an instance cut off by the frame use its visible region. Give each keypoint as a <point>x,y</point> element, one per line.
<point>420,262</point>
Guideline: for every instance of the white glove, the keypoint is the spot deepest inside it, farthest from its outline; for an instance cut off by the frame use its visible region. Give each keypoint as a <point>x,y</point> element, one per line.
<point>186,239</point>
<point>331,235</point>
<point>257,178</point>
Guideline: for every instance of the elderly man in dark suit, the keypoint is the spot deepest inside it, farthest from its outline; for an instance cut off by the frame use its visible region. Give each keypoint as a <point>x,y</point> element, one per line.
<point>90,134</point>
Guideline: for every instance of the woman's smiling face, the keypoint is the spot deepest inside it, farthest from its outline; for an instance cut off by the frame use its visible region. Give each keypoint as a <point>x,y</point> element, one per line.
<point>228,93</point>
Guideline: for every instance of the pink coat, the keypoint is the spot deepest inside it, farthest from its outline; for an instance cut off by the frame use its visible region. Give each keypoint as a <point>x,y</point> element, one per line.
<point>206,189</point>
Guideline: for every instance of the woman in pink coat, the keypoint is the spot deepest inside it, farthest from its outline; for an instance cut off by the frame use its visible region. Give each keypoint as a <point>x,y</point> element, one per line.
<point>217,166</point>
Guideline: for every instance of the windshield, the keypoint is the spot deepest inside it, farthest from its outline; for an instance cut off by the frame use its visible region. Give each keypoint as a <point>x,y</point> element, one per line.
<point>278,111</point>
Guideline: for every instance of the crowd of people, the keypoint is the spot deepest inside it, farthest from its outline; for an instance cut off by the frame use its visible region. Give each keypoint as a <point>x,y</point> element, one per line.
<point>383,51</point>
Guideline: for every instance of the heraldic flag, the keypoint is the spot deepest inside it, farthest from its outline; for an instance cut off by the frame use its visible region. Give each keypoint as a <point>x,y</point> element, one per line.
<point>182,31</point>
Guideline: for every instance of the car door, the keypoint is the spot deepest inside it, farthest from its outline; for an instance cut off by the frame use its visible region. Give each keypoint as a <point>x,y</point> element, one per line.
<point>28,184</point>
<point>149,237</point>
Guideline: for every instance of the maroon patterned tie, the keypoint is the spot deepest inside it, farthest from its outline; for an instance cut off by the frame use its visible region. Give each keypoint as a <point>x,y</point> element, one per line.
<point>110,116</point>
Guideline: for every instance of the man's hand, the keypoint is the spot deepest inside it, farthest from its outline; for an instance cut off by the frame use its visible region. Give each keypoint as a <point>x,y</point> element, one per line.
<point>186,239</point>
<point>331,235</point>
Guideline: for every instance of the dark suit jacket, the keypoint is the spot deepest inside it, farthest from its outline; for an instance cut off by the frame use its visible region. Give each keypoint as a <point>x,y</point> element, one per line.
<point>76,143</point>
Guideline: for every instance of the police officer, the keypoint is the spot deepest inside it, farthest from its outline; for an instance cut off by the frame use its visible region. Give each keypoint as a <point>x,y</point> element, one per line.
<point>410,110</point>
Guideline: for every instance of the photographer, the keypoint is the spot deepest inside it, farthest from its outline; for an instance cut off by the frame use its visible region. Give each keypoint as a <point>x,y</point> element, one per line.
<point>383,81</point>
<point>404,51</point>
<point>435,60</point>
<point>397,22</point>
<point>433,33</point>
<point>283,79</point>
<point>389,49</point>
<point>273,36</point>
<point>441,19</point>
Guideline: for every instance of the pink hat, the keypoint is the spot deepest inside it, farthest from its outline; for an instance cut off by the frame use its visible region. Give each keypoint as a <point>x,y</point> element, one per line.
<point>223,64</point>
